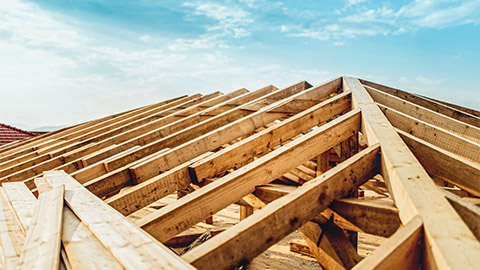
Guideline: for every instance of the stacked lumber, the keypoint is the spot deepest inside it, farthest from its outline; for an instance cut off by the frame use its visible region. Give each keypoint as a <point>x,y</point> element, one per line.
<point>345,158</point>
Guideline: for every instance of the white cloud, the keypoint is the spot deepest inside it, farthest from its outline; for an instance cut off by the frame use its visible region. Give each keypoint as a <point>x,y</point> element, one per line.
<point>354,2</point>
<point>230,20</point>
<point>364,21</point>
<point>339,43</point>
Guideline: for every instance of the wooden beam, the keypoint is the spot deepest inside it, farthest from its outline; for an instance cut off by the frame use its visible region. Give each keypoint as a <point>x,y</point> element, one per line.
<point>285,214</point>
<point>401,251</point>
<point>427,103</point>
<point>373,216</point>
<point>465,130</point>
<point>107,225</point>
<point>30,144</point>
<point>152,190</point>
<point>245,125</point>
<point>22,201</point>
<point>216,132</point>
<point>42,245</point>
<point>178,216</point>
<point>452,243</point>
<point>241,152</point>
<point>80,138</point>
<point>453,169</point>
<point>121,134</point>
<point>434,135</point>
<point>12,238</point>
<point>377,217</point>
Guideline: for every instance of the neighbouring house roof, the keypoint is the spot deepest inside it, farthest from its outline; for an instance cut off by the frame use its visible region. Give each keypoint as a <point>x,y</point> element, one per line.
<point>10,134</point>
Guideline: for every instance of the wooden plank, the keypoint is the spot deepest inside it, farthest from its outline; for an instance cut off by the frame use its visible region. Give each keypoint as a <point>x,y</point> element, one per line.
<point>427,103</point>
<point>434,135</point>
<point>78,241</point>
<point>133,248</point>
<point>178,216</point>
<point>452,244</point>
<point>281,217</point>
<point>42,245</point>
<point>263,141</point>
<point>11,236</point>
<point>453,169</point>
<point>22,201</point>
<point>465,130</point>
<point>216,132</point>
<point>401,251</point>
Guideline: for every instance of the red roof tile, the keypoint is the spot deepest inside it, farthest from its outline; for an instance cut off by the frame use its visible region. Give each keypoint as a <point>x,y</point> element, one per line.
<point>10,134</point>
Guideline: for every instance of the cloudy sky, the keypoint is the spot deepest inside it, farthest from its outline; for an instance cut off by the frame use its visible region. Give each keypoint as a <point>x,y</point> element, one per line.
<point>65,62</point>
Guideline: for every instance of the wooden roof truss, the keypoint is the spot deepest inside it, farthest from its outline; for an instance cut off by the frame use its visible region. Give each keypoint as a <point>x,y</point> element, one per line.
<point>302,157</point>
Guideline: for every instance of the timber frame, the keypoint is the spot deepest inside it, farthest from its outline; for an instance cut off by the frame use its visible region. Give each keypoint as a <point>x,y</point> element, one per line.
<point>331,161</point>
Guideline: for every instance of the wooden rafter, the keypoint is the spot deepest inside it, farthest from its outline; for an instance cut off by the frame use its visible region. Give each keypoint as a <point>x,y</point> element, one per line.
<point>336,164</point>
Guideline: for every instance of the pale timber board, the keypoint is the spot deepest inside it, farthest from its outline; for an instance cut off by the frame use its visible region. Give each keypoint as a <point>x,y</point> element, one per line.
<point>281,217</point>
<point>451,243</point>
<point>401,251</point>
<point>176,217</point>
<point>42,245</point>
<point>11,236</point>
<point>453,169</point>
<point>80,247</point>
<point>22,201</point>
<point>426,115</point>
<point>132,247</point>
<point>434,135</point>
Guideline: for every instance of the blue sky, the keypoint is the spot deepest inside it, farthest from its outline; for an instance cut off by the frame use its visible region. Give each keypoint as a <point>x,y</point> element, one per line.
<point>65,62</point>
